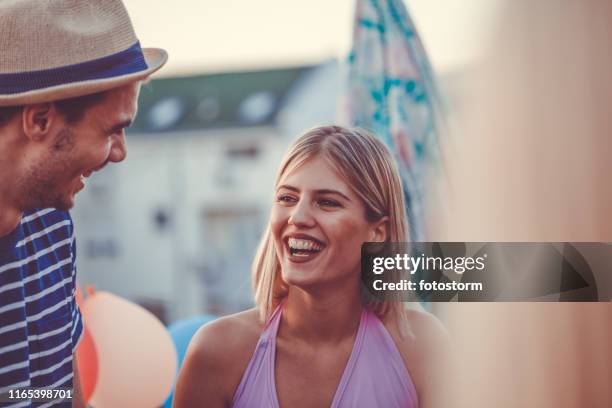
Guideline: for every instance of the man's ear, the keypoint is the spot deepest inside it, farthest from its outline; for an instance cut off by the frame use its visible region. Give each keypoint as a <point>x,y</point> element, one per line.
<point>380,230</point>
<point>37,120</point>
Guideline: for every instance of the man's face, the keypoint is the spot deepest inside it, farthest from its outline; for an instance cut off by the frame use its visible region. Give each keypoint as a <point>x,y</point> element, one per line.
<point>75,151</point>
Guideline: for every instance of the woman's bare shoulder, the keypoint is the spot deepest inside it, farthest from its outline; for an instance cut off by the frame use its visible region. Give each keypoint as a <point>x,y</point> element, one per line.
<point>217,356</point>
<point>228,340</point>
<point>424,330</point>
<point>427,329</point>
<point>425,350</point>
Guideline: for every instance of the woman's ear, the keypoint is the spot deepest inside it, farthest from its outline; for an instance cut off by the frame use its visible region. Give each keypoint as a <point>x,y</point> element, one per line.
<point>36,120</point>
<point>380,230</point>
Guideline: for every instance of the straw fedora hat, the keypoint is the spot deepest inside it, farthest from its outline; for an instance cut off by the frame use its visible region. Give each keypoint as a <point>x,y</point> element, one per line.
<point>58,49</point>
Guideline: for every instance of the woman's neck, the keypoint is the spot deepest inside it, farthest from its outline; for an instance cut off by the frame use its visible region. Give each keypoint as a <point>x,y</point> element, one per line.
<point>321,318</point>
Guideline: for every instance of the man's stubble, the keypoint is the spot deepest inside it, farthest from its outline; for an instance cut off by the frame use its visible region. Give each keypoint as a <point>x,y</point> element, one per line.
<point>44,183</point>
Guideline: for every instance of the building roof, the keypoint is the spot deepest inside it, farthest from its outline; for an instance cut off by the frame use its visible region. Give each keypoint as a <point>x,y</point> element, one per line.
<point>237,99</point>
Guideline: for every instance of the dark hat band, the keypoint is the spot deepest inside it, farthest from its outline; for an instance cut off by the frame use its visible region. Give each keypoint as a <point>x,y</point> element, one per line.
<point>128,61</point>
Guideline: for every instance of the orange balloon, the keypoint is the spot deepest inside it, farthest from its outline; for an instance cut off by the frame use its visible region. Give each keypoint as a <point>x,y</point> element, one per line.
<point>136,356</point>
<point>87,360</point>
<point>87,356</point>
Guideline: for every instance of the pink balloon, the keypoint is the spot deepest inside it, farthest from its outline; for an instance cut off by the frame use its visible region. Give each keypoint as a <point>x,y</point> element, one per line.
<point>137,361</point>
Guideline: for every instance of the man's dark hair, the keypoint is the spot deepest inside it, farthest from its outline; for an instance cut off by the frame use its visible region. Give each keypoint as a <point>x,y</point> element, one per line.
<point>7,113</point>
<point>73,109</point>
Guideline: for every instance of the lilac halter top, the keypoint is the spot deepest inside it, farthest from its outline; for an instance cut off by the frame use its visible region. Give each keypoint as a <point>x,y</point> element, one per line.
<point>375,375</point>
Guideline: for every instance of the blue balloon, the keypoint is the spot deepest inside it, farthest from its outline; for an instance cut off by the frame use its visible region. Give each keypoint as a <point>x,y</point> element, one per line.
<point>181,332</point>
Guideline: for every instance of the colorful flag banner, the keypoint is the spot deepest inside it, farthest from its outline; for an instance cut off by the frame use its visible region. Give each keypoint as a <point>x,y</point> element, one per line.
<point>392,92</point>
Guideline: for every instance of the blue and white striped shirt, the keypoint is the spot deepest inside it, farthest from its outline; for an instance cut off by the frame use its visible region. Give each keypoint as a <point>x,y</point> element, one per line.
<point>40,323</point>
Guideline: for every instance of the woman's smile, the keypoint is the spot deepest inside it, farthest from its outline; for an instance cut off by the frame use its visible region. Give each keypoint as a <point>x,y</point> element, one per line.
<point>303,248</point>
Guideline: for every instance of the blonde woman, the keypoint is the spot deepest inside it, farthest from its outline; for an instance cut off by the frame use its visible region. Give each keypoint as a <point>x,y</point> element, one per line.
<point>311,341</point>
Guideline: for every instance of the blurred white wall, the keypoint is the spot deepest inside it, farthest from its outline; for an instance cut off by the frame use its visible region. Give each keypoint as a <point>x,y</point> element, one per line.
<point>167,224</point>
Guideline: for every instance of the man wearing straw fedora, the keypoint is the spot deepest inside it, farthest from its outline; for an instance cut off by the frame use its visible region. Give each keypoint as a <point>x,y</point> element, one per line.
<point>70,74</point>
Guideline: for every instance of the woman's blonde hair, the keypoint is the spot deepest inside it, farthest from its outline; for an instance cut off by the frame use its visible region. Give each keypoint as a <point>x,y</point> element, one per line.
<point>367,166</point>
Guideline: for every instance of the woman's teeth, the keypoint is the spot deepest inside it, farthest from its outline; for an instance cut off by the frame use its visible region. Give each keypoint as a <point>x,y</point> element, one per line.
<point>303,247</point>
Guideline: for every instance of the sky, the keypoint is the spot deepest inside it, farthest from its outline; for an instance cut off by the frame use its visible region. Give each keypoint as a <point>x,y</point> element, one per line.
<point>204,36</point>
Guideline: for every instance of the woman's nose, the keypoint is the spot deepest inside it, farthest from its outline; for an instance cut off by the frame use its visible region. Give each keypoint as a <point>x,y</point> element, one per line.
<point>301,215</point>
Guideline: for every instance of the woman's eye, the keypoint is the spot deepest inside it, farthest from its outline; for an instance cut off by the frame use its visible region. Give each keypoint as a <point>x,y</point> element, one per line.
<point>285,198</point>
<point>329,203</point>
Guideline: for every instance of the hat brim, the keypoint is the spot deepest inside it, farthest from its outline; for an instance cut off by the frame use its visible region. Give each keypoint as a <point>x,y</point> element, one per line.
<point>154,57</point>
